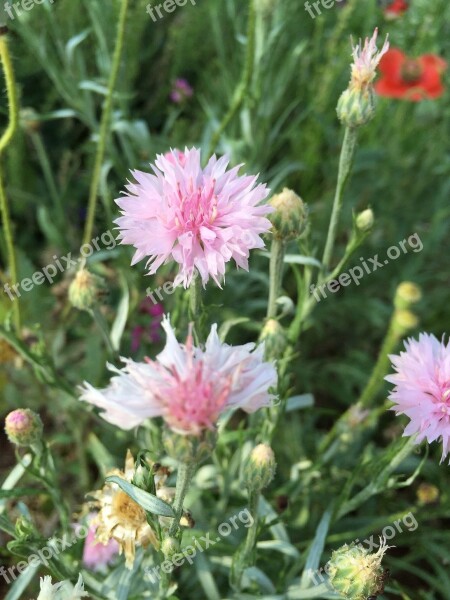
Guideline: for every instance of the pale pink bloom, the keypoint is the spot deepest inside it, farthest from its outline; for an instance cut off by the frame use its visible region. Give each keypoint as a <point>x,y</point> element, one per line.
<point>200,218</point>
<point>188,386</point>
<point>175,156</point>
<point>97,556</point>
<point>366,60</point>
<point>422,389</point>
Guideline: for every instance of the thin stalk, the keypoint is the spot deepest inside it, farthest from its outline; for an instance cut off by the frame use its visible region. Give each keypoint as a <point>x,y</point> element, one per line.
<point>244,85</point>
<point>277,252</point>
<point>184,477</point>
<point>104,124</point>
<point>13,114</point>
<point>345,166</point>
<point>195,298</point>
<point>246,557</point>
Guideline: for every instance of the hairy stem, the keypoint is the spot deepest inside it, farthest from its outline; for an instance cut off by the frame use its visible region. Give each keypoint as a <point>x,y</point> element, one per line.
<point>184,477</point>
<point>13,119</point>
<point>277,252</point>
<point>345,166</point>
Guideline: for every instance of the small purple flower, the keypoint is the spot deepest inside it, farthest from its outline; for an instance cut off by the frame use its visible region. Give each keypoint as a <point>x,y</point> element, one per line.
<point>181,91</point>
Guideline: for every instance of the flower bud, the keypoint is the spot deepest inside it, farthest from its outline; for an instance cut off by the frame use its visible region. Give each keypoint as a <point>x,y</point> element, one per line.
<point>290,217</point>
<point>356,107</point>
<point>260,468</point>
<point>356,574</point>
<point>23,427</point>
<point>170,547</point>
<point>85,289</point>
<point>189,448</point>
<point>406,295</point>
<point>275,339</point>
<point>404,321</point>
<point>427,494</point>
<point>365,220</point>
<point>29,120</point>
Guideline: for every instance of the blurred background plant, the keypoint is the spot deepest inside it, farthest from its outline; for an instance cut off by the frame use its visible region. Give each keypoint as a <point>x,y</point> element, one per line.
<point>285,128</point>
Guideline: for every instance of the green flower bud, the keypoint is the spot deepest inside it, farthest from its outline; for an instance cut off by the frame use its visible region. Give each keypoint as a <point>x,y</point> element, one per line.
<point>356,107</point>
<point>356,574</point>
<point>406,295</point>
<point>23,427</point>
<point>364,221</point>
<point>189,448</point>
<point>404,321</point>
<point>275,339</point>
<point>290,217</point>
<point>85,290</point>
<point>170,547</point>
<point>260,468</point>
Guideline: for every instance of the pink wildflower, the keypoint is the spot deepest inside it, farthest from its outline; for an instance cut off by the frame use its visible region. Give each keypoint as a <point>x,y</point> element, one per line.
<point>181,91</point>
<point>97,556</point>
<point>422,389</point>
<point>188,386</point>
<point>200,218</point>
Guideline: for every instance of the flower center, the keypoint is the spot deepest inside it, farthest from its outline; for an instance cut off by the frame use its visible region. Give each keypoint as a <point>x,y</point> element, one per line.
<point>197,208</point>
<point>127,509</point>
<point>411,71</point>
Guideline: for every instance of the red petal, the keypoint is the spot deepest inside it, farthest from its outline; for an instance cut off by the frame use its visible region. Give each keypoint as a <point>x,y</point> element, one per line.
<point>391,64</point>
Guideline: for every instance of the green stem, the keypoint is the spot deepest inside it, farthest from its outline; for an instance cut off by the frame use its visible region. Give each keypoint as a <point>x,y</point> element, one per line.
<point>195,298</point>
<point>250,542</point>
<point>104,124</point>
<point>244,85</point>
<point>345,166</point>
<point>184,477</point>
<point>246,558</point>
<point>277,252</point>
<point>13,114</point>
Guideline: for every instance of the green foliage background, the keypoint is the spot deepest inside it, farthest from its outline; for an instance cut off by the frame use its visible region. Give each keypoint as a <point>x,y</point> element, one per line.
<point>287,131</point>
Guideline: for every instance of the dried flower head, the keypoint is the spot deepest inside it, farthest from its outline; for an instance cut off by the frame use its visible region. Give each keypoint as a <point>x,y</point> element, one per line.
<point>366,59</point>
<point>120,518</point>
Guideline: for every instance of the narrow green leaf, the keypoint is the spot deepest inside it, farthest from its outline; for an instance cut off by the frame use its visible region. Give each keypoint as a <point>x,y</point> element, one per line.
<point>149,502</point>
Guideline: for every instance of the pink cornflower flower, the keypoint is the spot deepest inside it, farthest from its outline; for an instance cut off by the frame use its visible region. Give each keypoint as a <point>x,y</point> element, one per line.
<point>181,91</point>
<point>189,387</point>
<point>200,218</point>
<point>365,61</point>
<point>422,389</point>
<point>97,556</point>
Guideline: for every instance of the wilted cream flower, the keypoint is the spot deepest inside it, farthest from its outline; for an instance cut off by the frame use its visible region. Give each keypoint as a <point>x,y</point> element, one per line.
<point>121,518</point>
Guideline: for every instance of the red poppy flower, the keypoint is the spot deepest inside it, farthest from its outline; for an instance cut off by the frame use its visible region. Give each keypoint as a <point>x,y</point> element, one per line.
<point>396,9</point>
<point>411,79</point>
